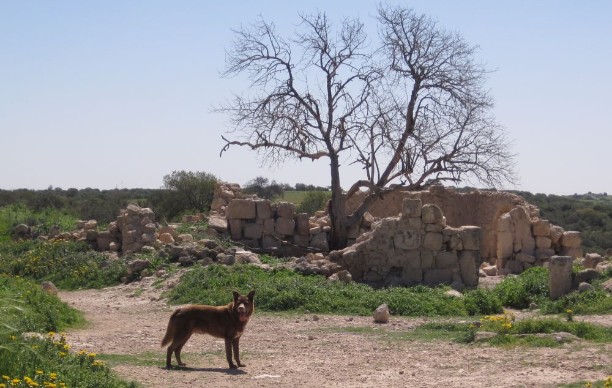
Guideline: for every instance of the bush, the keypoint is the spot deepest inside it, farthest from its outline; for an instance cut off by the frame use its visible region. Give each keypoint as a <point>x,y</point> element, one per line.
<point>314,201</point>
<point>481,302</point>
<point>69,265</point>
<point>520,291</point>
<point>285,290</point>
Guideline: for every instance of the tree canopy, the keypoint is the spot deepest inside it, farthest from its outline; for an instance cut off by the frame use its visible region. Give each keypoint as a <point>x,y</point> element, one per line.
<point>411,108</point>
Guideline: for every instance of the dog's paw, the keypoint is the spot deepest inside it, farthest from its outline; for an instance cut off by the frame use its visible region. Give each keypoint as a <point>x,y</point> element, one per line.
<point>233,366</point>
<point>241,365</point>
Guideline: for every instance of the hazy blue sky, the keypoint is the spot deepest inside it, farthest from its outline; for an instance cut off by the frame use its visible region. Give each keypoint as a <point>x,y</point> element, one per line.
<point>117,94</point>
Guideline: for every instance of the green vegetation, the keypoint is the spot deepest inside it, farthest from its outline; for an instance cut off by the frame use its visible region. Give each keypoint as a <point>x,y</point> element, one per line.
<point>31,360</point>
<point>588,213</point>
<point>69,265</point>
<point>313,201</point>
<point>285,290</point>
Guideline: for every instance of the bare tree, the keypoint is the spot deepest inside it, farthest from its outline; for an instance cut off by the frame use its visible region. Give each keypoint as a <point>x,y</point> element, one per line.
<point>412,112</point>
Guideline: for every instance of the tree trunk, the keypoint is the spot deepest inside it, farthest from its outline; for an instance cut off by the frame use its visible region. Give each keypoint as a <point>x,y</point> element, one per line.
<point>337,208</point>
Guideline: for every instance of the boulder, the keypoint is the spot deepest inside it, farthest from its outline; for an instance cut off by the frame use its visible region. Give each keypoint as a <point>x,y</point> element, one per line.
<point>382,314</point>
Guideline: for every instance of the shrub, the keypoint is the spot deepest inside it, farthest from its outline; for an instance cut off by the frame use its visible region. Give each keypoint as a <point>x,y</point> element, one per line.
<point>481,302</point>
<point>314,201</point>
<point>520,291</point>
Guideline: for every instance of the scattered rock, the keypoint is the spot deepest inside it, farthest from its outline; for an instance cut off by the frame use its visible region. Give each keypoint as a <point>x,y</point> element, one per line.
<point>49,287</point>
<point>382,314</point>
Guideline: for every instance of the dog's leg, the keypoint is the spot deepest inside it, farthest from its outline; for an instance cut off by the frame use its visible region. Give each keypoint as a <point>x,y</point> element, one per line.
<point>228,353</point>
<point>177,354</point>
<point>169,356</point>
<point>236,346</point>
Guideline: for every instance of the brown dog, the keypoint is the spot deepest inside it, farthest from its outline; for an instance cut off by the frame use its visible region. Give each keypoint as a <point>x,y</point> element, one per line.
<point>226,322</point>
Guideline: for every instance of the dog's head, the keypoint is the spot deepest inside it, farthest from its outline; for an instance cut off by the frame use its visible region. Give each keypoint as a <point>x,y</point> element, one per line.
<point>244,305</point>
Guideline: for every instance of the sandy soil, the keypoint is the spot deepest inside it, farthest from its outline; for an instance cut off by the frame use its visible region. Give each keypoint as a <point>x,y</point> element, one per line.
<point>315,351</point>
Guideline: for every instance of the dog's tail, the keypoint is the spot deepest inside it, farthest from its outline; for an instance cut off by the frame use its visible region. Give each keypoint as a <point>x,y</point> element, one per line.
<point>171,329</point>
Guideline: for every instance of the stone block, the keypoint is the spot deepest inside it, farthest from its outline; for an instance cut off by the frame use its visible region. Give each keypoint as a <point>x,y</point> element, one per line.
<point>543,242</point>
<point>427,259</point>
<point>555,233</point>
<point>411,259</point>
<point>303,225</point>
<point>504,223</point>
<point>285,226</point>
<point>263,209</point>
<point>432,241</point>
<point>268,226</point>
<point>541,228</point>
<point>407,239</point>
<point>252,231</point>
<point>235,226</point>
<point>571,239</point>
<point>559,276</point>
<point>471,236</point>
<point>434,277</point>
<point>447,260</point>
<point>525,258</point>
<point>301,241</point>
<point>544,253</point>
<point>432,214</point>
<point>243,209</point>
<point>285,209</point>
<point>319,241</point>
<point>411,208</point>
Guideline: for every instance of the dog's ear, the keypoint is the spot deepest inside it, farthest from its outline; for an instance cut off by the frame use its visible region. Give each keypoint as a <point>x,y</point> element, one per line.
<point>251,295</point>
<point>236,295</point>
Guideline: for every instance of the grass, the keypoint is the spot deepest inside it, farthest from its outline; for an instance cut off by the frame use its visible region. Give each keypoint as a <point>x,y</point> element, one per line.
<point>41,221</point>
<point>69,265</point>
<point>285,290</point>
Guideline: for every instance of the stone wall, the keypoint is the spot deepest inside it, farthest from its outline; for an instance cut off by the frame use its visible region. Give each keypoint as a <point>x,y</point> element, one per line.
<point>416,247</point>
<point>259,223</point>
<point>492,211</point>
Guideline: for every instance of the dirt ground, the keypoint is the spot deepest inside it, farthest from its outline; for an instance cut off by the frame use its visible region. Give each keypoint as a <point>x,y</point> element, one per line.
<point>128,322</point>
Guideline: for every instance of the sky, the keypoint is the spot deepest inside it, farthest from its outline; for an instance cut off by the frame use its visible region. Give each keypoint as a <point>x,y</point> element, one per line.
<point>118,94</point>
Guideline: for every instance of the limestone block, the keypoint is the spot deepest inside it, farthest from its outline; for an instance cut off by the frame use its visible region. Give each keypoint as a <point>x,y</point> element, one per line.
<point>235,226</point>
<point>523,239</point>
<point>407,239</point>
<point>252,231</point>
<point>149,228</point>
<point>217,223</point>
<point>90,225</point>
<point>433,241</point>
<point>172,231</point>
<point>432,214</point>
<point>268,226</point>
<point>166,238</point>
<point>590,259</point>
<point>411,259</point>
<point>243,209</point>
<point>104,240</point>
<point>455,243</point>
<point>285,226</point>
<point>263,209</point>
<point>301,241</point>
<point>434,277</point>
<point>185,238</point>
<point>471,236</point>
<point>411,208</point>
<point>427,259</point>
<point>571,239</point>
<point>555,233</point>
<point>303,226</point>
<point>319,241</point>
<point>525,258</point>
<point>544,253</point>
<point>447,260</point>
<point>543,242</point>
<point>541,228</point>
<point>285,209</point>
<point>559,276</point>
<point>315,230</point>
<point>504,223</point>
<point>469,263</point>
<point>433,228</point>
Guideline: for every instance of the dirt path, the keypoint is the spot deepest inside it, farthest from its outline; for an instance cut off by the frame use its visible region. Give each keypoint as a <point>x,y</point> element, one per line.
<point>129,321</point>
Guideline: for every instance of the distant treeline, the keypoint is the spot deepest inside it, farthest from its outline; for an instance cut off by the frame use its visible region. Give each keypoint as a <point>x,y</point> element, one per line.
<point>188,193</point>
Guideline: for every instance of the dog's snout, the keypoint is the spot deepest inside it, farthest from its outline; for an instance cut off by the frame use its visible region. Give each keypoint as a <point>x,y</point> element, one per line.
<point>241,308</point>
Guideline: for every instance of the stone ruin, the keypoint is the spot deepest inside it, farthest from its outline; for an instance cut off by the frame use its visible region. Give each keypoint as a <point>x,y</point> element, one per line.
<point>273,228</point>
<point>514,236</point>
<point>413,248</point>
